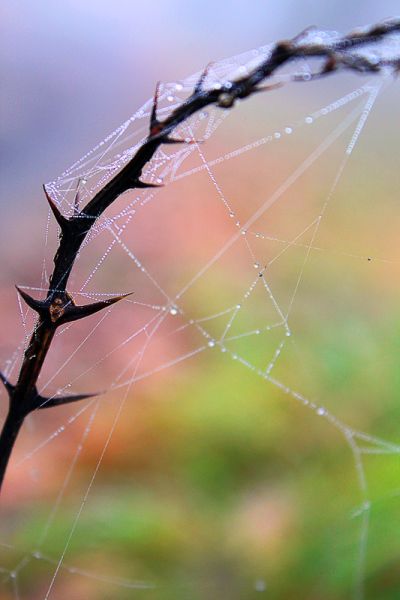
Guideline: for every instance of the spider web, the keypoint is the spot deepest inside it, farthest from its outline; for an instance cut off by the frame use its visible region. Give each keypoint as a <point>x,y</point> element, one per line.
<point>228,264</point>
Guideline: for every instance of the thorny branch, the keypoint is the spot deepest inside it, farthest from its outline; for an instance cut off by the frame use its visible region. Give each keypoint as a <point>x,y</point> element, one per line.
<point>337,53</point>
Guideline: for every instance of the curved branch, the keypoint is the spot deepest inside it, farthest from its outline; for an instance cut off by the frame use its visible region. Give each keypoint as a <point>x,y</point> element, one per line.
<point>338,53</point>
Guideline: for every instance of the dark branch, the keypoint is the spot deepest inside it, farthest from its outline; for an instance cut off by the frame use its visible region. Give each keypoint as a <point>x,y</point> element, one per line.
<point>58,307</point>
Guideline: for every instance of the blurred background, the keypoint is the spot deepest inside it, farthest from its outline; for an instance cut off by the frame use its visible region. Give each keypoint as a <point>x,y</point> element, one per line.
<point>203,480</point>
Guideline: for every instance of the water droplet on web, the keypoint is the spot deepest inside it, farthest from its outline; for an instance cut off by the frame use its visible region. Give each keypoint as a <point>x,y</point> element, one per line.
<point>256,265</point>
<point>260,585</point>
<point>288,130</point>
<point>211,344</point>
<point>309,120</point>
<point>159,180</point>
<point>288,333</point>
<point>238,306</point>
<point>173,311</point>
<point>178,87</point>
<point>170,98</point>
<point>369,258</point>
<point>231,214</point>
<point>37,554</point>
<point>277,135</point>
<point>321,411</point>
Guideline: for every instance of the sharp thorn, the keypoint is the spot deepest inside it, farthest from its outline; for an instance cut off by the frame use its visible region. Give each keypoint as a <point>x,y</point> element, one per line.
<point>42,402</point>
<point>142,184</point>
<point>267,88</point>
<point>9,387</point>
<point>77,198</point>
<point>198,88</point>
<point>74,313</point>
<point>61,220</point>
<point>170,140</point>
<point>38,305</point>
<point>154,122</point>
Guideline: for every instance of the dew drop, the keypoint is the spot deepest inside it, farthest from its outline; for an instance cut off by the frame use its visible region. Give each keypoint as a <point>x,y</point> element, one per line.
<point>211,344</point>
<point>173,311</point>
<point>260,585</point>
<point>170,98</point>
<point>288,333</point>
<point>178,86</point>
<point>288,130</point>
<point>256,265</point>
<point>321,412</point>
<point>277,135</point>
<point>309,120</point>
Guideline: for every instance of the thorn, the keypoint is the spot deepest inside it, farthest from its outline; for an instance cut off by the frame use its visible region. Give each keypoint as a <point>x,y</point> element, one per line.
<point>154,122</point>
<point>170,140</point>
<point>267,88</point>
<point>77,198</point>
<point>38,305</point>
<point>61,220</point>
<point>9,387</point>
<point>73,312</point>
<point>142,184</point>
<point>198,88</point>
<point>41,402</point>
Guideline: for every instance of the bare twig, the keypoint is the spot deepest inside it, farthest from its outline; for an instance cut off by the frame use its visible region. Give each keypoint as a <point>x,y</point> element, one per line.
<point>338,53</point>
